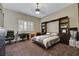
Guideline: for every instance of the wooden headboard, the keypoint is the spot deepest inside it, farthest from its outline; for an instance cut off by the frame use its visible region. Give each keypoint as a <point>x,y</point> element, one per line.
<point>74,29</point>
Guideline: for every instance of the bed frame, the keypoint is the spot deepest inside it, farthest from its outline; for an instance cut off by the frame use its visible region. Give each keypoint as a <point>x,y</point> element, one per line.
<point>41,45</point>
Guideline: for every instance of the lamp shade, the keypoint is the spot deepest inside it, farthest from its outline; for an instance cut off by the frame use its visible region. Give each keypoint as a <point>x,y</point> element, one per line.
<point>37,11</point>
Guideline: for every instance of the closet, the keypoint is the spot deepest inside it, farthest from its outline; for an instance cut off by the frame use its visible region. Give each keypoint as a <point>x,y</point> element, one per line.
<point>64,32</point>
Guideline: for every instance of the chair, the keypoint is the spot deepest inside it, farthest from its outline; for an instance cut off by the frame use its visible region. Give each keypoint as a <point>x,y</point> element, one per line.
<point>10,36</point>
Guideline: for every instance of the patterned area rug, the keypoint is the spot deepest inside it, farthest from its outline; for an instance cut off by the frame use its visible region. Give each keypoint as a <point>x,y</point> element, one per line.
<point>27,48</point>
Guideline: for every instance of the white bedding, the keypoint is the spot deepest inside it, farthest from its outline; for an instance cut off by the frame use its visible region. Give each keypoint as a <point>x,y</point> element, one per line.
<point>51,38</point>
<point>37,38</point>
<point>46,39</point>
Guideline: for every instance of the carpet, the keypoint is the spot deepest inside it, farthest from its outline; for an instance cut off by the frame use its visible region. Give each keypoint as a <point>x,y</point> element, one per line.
<point>27,48</point>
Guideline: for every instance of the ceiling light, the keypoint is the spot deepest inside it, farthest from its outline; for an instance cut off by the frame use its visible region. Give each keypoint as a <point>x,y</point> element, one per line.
<point>37,9</point>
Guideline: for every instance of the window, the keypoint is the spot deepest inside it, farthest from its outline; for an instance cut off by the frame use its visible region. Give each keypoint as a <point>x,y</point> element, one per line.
<point>25,26</point>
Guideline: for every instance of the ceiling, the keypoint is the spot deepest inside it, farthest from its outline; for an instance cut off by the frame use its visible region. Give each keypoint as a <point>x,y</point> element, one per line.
<point>29,8</point>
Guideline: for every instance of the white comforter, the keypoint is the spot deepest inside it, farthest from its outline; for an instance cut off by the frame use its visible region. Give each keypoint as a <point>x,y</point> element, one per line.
<point>53,39</point>
<point>46,39</point>
<point>37,38</point>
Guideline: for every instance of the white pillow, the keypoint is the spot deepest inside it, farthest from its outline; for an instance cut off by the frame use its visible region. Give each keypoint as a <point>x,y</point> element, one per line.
<point>54,34</point>
<point>48,33</point>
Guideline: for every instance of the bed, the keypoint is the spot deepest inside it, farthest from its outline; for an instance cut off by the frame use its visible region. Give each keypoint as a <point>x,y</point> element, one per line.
<point>46,40</point>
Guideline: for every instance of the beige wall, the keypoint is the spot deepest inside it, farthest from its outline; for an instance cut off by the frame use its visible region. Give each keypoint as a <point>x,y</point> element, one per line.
<point>11,20</point>
<point>1,20</point>
<point>11,17</point>
<point>1,17</point>
<point>70,11</point>
<point>78,16</point>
